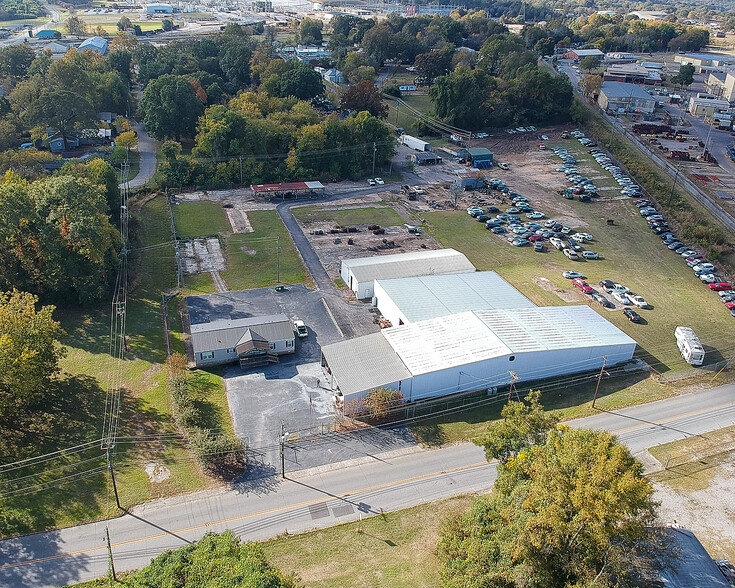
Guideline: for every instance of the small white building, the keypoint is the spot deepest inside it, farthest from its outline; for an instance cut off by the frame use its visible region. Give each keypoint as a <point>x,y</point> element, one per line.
<point>409,300</point>
<point>475,350</point>
<point>702,106</point>
<point>360,273</point>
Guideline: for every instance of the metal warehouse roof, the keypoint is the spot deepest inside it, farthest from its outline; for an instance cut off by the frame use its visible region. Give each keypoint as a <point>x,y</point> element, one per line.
<point>97,43</point>
<point>476,152</point>
<point>469,337</point>
<point>225,334</point>
<point>444,342</point>
<point>425,297</point>
<point>625,90</point>
<point>548,328</point>
<point>694,566</point>
<point>402,265</point>
<point>364,363</point>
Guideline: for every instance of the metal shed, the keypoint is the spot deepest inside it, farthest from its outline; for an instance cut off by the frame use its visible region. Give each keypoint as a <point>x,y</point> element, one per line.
<point>360,273</point>
<point>479,157</point>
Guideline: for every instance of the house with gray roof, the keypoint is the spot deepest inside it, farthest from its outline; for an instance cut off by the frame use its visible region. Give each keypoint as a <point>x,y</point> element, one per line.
<point>252,341</point>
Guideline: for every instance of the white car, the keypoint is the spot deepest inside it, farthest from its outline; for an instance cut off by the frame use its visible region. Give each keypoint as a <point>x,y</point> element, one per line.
<point>570,275</point>
<point>379,181</point>
<point>620,297</point>
<point>418,190</point>
<point>637,300</point>
<point>371,181</point>
<point>300,329</point>
<point>708,278</point>
<point>620,288</point>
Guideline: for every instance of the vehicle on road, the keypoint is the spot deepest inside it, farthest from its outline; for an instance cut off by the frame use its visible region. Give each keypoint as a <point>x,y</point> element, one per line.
<point>689,345</point>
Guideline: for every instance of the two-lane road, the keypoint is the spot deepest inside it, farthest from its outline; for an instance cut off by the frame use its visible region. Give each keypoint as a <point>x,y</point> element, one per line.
<point>322,497</point>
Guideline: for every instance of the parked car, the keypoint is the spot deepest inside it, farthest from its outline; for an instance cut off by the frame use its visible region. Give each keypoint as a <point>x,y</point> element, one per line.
<point>300,329</point>
<point>418,190</point>
<point>572,275</point>
<point>590,255</point>
<point>379,181</point>
<point>708,278</point>
<point>498,230</point>
<point>538,247</point>
<point>570,254</point>
<point>607,285</point>
<point>371,181</point>
<point>632,315</point>
<point>720,286</point>
<point>600,299</point>
<point>722,293</point>
<point>580,284</point>
<point>503,166</point>
<point>620,297</point>
<point>703,266</point>
<point>637,300</point>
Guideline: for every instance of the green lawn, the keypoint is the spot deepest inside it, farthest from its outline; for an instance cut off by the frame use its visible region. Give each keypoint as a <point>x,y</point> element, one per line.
<point>401,117</point>
<point>200,219</point>
<point>385,217</point>
<point>252,257</point>
<point>396,549</point>
<point>145,408</point>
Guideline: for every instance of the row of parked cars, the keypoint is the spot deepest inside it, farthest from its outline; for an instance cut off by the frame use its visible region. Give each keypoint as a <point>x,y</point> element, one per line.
<point>703,269</point>
<point>581,186</point>
<point>617,291</point>
<point>530,129</point>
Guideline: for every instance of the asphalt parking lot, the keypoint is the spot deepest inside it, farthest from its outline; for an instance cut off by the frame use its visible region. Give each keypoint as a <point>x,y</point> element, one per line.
<point>296,302</point>
<point>296,392</point>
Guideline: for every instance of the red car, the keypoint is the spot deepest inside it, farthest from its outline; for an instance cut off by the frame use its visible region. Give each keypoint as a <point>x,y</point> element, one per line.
<point>534,238</point>
<point>720,286</point>
<point>730,305</point>
<point>582,285</point>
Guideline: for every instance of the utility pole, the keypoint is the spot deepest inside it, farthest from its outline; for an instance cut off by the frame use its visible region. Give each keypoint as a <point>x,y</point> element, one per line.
<point>375,150</point>
<point>284,438</point>
<point>241,170</point>
<point>599,379</point>
<point>109,554</point>
<point>278,260</point>
<point>514,377</point>
<point>676,177</point>
<point>398,109</point>
<point>112,475</point>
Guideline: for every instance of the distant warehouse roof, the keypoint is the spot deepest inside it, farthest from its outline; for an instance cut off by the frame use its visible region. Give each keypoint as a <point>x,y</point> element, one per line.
<point>419,263</point>
<point>287,187</point>
<point>624,90</point>
<point>96,43</point>
<point>426,297</point>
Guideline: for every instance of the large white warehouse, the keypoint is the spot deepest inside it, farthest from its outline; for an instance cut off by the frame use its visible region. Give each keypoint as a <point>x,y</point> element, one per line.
<point>360,274</point>
<point>476,349</point>
<point>408,300</point>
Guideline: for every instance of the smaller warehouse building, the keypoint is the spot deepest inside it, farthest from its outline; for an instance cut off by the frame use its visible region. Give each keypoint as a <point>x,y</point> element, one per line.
<point>426,158</point>
<point>95,43</point>
<point>479,157</point>
<point>159,9</point>
<point>577,54</point>
<point>705,106</point>
<point>252,341</point>
<point>622,97</point>
<point>469,180</point>
<point>409,300</point>
<point>48,35</point>
<point>631,73</point>
<point>360,273</point>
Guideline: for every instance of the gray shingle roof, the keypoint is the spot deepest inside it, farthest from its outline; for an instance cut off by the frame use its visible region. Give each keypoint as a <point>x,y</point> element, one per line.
<point>225,334</point>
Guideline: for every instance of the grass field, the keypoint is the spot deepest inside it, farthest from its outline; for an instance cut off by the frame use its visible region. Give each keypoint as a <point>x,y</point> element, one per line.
<point>200,219</point>
<point>145,406</point>
<point>385,217</point>
<point>252,257</point>
<point>401,117</point>
<point>395,549</point>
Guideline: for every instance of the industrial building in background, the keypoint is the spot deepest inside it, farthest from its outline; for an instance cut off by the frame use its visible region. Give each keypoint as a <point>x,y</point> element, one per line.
<point>360,273</point>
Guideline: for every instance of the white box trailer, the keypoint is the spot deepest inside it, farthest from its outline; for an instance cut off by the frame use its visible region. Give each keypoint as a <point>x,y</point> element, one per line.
<point>689,345</point>
<point>414,143</point>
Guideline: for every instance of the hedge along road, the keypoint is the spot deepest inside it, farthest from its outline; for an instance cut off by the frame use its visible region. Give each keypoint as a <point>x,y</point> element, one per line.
<point>323,496</point>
